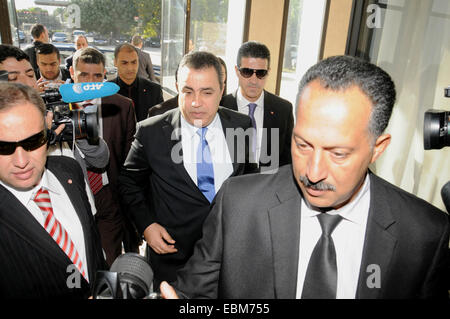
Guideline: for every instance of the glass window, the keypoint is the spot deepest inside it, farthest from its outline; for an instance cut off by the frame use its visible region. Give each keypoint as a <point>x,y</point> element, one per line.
<point>302,47</point>
<point>173,34</point>
<point>409,40</point>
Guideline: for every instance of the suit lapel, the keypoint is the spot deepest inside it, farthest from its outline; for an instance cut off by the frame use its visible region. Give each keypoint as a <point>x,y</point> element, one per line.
<point>380,242</point>
<point>227,123</point>
<point>72,192</point>
<point>19,219</point>
<point>172,133</point>
<point>284,222</point>
<point>269,121</point>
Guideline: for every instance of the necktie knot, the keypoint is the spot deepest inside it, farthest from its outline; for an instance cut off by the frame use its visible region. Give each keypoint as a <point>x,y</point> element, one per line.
<point>328,222</point>
<point>251,109</point>
<point>202,133</point>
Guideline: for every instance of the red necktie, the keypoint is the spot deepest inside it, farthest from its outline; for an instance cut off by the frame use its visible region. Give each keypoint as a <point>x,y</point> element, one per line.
<point>57,231</point>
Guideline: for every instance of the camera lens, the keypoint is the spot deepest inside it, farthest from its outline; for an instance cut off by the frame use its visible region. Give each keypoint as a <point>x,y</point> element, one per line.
<point>435,129</point>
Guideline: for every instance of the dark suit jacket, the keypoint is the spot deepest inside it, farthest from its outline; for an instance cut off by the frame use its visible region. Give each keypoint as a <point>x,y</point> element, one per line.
<point>32,265</point>
<point>149,94</point>
<point>277,114</point>
<point>174,201</point>
<point>145,66</point>
<point>119,126</point>
<point>163,107</point>
<point>250,242</point>
<point>30,50</point>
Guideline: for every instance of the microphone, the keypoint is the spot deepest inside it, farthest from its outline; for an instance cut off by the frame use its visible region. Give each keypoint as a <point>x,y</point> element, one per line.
<point>445,194</point>
<point>77,92</point>
<point>130,277</point>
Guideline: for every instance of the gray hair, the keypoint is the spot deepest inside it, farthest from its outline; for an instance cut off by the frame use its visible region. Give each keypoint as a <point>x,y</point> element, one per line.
<point>341,72</point>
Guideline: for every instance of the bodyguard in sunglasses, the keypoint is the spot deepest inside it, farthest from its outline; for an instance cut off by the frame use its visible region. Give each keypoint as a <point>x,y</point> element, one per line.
<point>50,246</point>
<point>271,115</point>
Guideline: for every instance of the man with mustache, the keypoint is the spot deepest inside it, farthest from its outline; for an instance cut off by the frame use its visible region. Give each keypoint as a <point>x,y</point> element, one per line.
<point>325,227</point>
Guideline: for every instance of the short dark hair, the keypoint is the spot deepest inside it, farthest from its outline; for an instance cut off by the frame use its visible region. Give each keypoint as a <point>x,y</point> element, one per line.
<point>253,49</point>
<point>10,51</point>
<point>341,72</point>
<point>36,30</point>
<point>89,56</point>
<point>125,46</point>
<point>12,94</point>
<point>47,48</point>
<point>199,60</point>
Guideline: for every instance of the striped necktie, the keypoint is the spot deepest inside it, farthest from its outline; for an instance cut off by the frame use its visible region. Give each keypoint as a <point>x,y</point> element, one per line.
<point>56,230</point>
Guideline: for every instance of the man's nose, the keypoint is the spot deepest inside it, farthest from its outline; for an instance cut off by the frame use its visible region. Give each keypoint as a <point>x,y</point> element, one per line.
<point>20,157</point>
<point>317,168</point>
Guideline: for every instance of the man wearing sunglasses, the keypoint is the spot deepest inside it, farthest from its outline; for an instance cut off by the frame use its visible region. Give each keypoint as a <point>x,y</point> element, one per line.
<point>271,115</point>
<point>50,246</point>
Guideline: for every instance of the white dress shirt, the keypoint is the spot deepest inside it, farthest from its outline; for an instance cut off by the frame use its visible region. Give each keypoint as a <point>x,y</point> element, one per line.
<point>348,238</point>
<point>220,155</point>
<point>243,108</point>
<point>63,210</point>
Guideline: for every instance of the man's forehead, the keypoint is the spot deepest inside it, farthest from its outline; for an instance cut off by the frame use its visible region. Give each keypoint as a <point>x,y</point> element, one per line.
<point>12,64</point>
<point>89,67</point>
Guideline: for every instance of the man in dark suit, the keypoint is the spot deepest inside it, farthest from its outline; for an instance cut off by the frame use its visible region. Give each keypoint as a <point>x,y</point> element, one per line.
<point>186,154</point>
<point>143,92</point>
<point>145,61</point>
<point>386,243</point>
<point>51,249</point>
<point>271,115</point>
<point>40,35</point>
<point>117,126</point>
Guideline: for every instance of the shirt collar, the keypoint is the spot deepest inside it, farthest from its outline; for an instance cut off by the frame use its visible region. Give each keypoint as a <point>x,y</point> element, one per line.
<point>123,84</point>
<point>243,103</point>
<point>47,182</point>
<point>350,211</point>
<point>190,131</point>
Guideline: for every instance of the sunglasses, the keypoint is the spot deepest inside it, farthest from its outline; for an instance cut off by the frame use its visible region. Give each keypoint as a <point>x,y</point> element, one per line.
<point>246,72</point>
<point>29,144</point>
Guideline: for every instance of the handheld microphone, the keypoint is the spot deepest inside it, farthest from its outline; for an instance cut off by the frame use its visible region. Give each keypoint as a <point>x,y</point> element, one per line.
<point>445,194</point>
<point>130,277</point>
<point>77,92</point>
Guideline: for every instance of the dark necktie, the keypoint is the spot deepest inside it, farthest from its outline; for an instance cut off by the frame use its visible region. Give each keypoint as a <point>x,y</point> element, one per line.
<point>205,168</point>
<point>321,275</point>
<point>251,113</point>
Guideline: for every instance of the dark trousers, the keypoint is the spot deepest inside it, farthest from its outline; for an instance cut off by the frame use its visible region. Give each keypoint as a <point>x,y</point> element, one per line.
<point>109,222</point>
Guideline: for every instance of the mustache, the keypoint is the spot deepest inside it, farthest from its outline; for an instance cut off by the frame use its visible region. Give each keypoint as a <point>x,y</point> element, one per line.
<point>320,186</point>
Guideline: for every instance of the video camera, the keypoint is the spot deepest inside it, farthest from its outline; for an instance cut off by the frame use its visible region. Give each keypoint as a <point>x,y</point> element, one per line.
<point>436,133</point>
<point>79,123</point>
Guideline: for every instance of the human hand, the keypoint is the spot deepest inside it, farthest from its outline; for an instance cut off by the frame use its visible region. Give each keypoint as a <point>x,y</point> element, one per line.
<point>49,121</point>
<point>167,291</point>
<point>159,239</point>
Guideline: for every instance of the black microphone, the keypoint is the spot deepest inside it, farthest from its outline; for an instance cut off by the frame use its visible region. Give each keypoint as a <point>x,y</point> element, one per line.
<point>130,277</point>
<point>445,194</point>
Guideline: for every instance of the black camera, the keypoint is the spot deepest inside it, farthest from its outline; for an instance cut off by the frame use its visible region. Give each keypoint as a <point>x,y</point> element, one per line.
<point>79,123</point>
<point>436,134</point>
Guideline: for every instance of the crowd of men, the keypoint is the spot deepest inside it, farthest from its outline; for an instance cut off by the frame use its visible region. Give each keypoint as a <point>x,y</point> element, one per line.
<point>233,198</point>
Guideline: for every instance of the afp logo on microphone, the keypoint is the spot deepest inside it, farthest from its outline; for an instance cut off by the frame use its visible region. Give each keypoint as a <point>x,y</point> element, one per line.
<point>82,87</point>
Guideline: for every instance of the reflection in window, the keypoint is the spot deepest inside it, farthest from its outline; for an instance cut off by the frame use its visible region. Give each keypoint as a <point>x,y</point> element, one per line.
<point>289,79</point>
<point>173,33</point>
